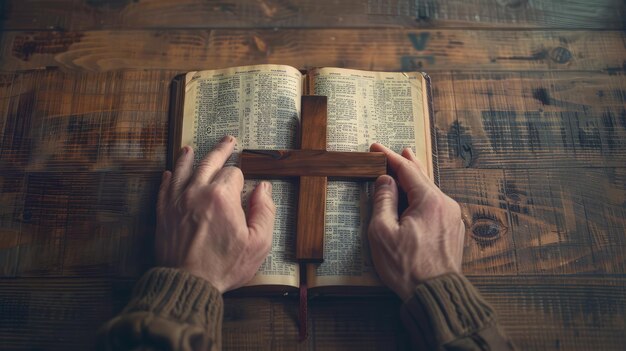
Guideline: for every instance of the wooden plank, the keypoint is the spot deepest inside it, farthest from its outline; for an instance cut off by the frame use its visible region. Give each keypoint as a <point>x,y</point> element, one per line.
<point>333,324</point>
<point>606,219</point>
<point>336,324</point>
<point>548,221</point>
<point>11,203</point>
<point>77,223</point>
<point>370,49</point>
<point>11,189</point>
<point>58,122</point>
<point>489,247</point>
<point>561,220</point>
<point>531,119</point>
<point>573,313</point>
<point>294,163</point>
<point>36,15</point>
<point>90,14</point>
<point>57,313</point>
<point>559,312</point>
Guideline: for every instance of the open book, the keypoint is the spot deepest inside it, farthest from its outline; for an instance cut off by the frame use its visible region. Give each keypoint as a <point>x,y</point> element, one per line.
<point>260,105</point>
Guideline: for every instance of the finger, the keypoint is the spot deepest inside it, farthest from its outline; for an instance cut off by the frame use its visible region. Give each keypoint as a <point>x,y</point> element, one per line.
<point>182,171</point>
<point>261,214</point>
<point>230,177</point>
<point>163,190</point>
<point>395,160</point>
<point>408,153</point>
<point>214,160</point>
<point>410,177</point>
<point>385,208</point>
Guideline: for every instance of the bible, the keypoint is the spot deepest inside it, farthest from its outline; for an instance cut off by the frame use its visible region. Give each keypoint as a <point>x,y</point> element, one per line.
<point>261,106</point>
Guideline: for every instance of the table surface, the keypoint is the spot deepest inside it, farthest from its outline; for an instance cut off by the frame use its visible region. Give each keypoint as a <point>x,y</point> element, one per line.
<point>530,110</point>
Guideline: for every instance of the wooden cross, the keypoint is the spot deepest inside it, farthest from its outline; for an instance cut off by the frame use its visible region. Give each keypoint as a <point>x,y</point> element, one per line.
<point>313,164</point>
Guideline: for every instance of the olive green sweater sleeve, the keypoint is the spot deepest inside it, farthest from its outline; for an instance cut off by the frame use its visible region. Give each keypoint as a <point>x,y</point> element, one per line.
<point>448,313</point>
<point>170,309</point>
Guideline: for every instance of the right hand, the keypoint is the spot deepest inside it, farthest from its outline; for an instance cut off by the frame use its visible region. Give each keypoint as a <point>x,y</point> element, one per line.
<point>426,241</point>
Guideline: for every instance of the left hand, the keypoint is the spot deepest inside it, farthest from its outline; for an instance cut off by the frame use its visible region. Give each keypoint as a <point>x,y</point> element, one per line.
<point>201,225</point>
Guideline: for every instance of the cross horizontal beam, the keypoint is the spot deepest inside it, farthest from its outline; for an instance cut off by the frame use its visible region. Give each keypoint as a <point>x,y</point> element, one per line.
<point>296,163</point>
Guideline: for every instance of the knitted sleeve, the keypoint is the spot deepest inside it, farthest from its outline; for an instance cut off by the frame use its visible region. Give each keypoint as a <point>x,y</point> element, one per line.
<point>170,309</point>
<point>448,313</point>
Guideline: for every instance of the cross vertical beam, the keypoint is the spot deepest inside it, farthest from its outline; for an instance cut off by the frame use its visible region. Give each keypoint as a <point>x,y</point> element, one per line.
<point>312,190</point>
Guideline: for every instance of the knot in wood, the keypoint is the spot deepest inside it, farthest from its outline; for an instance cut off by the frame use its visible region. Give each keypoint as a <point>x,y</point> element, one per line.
<point>487,230</point>
<point>560,55</point>
<point>467,154</point>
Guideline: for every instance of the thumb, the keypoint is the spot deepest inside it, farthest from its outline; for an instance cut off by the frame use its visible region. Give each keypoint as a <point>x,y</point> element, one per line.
<point>385,211</point>
<point>261,213</point>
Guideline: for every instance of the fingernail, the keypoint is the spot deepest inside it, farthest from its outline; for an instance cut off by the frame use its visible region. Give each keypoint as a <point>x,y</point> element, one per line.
<point>383,181</point>
<point>184,150</point>
<point>227,139</point>
<point>267,186</point>
<point>411,151</point>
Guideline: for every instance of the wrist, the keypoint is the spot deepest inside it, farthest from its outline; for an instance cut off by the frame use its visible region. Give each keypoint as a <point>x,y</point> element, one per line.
<point>406,289</point>
<point>216,283</point>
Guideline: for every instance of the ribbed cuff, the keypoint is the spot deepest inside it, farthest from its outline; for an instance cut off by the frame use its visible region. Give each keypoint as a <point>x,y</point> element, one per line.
<point>446,308</point>
<point>178,295</point>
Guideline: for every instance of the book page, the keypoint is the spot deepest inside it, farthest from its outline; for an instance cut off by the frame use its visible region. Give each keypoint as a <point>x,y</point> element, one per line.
<point>363,108</point>
<point>260,106</point>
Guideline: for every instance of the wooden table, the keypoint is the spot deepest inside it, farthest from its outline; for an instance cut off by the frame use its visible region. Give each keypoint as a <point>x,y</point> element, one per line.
<point>530,102</point>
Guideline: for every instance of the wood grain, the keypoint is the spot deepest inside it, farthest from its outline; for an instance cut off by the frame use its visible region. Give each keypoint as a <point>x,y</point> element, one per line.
<point>32,98</point>
<point>57,314</point>
<point>310,223</point>
<point>314,122</point>
<point>77,223</point>
<point>549,312</point>
<point>369,49</point>
<point>559,312</point>
<point>310,227</point>
<point>531,119</point>
<point>295,163</point>
<point>56,122</point>
<point>529,108</point>
<point>97,14</point>
<point>541,222</point>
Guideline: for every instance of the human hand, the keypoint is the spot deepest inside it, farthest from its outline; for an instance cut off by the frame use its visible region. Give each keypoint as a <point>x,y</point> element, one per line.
<point>201,225</point>
<point>427,240</point>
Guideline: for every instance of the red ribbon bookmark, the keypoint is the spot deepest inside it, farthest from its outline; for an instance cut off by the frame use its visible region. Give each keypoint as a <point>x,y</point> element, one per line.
<point>302,312</point>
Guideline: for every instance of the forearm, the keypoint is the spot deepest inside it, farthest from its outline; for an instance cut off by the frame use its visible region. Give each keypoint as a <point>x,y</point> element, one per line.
<point>448,313</point>
<point>170,309</point>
